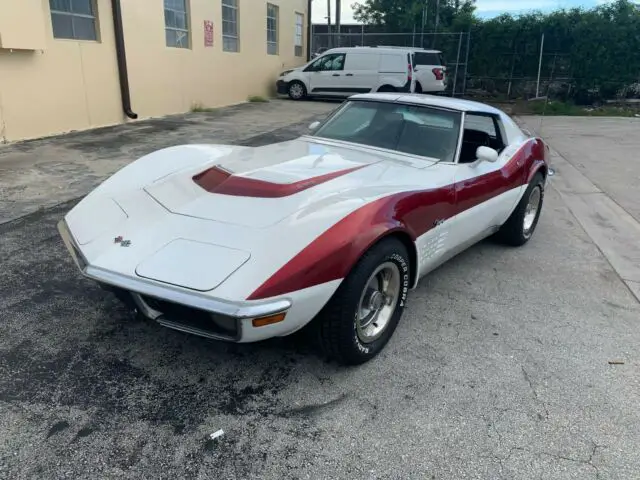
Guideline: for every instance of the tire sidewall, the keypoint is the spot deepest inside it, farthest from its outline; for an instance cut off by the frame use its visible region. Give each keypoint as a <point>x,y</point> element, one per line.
<point>538,181</point>
<point>400,258</point>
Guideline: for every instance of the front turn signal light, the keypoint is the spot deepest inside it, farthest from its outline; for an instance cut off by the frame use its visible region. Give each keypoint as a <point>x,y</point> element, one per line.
<point>269,320</point>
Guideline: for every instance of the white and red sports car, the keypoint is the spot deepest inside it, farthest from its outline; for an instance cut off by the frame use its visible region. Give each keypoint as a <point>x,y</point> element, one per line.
<point>243,244</point>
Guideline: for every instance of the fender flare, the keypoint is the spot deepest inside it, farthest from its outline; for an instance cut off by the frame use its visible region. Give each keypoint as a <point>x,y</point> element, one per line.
<point>537,166</point>
<point>333,254</point>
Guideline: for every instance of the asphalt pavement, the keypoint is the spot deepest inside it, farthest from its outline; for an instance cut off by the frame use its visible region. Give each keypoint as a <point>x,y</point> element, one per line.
<point>510,363</point>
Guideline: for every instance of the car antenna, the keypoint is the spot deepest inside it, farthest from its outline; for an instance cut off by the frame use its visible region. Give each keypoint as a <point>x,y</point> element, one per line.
<point>544,111</point>
<point>552,172</point>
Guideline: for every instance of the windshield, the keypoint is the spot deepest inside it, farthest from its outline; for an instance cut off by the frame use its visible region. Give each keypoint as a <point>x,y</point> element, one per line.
<point>416,130</point>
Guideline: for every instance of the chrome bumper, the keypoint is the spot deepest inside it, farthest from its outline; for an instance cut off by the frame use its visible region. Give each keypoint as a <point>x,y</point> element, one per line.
<point>138,286</point>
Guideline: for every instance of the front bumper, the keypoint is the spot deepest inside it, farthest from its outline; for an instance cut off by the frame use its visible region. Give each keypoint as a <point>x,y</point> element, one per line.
<point>175,308</point>
<point>282,87</point>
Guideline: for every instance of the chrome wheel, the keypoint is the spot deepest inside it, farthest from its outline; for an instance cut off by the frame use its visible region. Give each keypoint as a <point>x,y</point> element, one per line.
<point>296,91</point>
<point>378,302</point>
<point>531,211</point>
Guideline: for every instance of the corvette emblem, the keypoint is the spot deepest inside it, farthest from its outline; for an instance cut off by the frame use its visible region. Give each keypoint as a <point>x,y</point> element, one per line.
<point>121,241</point>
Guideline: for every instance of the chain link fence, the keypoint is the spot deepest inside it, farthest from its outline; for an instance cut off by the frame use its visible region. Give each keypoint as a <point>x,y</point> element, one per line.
<point>454,46</point>
<point>504,67</point>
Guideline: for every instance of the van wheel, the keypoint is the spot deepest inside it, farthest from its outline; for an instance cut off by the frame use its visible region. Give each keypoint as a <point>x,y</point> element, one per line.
<point>297,90</point>
<point>387,88</point>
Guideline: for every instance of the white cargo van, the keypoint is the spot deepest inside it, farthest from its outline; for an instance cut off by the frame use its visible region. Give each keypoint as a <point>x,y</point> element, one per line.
<point>342,72</point>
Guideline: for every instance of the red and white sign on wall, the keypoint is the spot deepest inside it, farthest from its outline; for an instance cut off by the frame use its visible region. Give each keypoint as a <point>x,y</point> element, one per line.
<point>208,33</point>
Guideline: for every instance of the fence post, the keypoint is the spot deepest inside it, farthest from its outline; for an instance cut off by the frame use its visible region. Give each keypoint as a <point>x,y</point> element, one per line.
<point>513,66</point>
<point>329,39</point>
<point>309,29</point>
<point>455,78</point>
<point>466,63</point>
<point>540,66</point>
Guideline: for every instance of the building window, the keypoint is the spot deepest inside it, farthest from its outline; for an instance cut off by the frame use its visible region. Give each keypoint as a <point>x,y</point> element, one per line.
<point>73,19</point>
<point>230,41</point>
<point>176,26</point>
<point>299,35</point>
<point>272,29</point>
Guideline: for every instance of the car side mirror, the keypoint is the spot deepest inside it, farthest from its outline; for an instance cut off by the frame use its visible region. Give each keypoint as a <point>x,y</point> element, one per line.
<point>314,126</point>
<point>486,154</point>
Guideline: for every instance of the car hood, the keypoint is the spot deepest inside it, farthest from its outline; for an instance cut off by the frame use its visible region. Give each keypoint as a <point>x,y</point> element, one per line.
<point>194,215</point>
<point>259,187</point>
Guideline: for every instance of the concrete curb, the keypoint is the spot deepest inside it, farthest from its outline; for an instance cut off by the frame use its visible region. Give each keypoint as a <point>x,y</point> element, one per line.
<point>614,231</point>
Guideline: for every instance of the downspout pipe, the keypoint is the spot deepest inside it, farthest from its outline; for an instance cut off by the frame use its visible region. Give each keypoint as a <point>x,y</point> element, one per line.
<point>116,9</point>
<point>309,28</point>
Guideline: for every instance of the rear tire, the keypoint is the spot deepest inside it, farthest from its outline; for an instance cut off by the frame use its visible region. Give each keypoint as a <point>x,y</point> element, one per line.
<point>418,88</point>
<point>387,88</point>
<point>522,223</point>
<point>297,90</point>
<point>362,315</point>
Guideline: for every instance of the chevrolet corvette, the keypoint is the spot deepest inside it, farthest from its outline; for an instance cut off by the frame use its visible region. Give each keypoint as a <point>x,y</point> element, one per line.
<point>331,230</point>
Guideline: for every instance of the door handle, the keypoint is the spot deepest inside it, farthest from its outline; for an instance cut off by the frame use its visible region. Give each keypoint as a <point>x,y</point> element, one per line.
<point>336,75</point>
<point>349,75</point>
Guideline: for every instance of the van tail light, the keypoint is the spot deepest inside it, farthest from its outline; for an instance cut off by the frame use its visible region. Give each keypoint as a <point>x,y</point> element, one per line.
<point>439,73</point>
<point>410,74</point>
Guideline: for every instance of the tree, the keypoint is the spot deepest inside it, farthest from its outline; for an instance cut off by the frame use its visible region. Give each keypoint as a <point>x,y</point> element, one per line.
<point>596,51</point>
<point>404,15</point>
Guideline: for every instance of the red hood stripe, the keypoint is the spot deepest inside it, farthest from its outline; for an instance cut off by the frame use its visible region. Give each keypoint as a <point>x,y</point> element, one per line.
<point>216,180</point>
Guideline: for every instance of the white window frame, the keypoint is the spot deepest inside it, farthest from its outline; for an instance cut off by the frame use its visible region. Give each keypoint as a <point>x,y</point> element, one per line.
<point>298,36</point>
<point>233,6</point>
<point>93,16</point>
<point>272,45</point>
<point>177,29</point>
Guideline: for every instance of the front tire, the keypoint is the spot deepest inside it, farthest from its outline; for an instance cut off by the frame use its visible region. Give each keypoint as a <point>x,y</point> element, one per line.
<point>297,90</point>
<point>521,225</point>
<point>364,312</point>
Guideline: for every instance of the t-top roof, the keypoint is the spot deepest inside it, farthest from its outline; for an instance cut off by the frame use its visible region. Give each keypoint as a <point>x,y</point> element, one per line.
<point>429,100</point>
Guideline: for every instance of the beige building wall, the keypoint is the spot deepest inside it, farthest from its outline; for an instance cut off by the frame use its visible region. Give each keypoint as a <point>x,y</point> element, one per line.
<point>50,85</point>
<point>62,85</point>
<point>168,80</point>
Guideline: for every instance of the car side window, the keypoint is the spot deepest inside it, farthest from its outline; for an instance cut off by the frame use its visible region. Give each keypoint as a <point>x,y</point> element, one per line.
<point>482,123</point>
<point>479,131</point>
<point>328,63</point>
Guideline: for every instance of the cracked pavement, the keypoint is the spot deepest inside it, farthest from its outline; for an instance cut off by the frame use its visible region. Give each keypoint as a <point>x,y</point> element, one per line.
<point>499,368</point>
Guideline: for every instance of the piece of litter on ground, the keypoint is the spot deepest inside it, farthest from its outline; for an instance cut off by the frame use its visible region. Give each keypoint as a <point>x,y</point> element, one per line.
<point>215,435</point>
<point>616,362</point>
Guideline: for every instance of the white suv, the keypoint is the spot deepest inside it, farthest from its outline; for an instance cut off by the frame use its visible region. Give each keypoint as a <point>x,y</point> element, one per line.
<point>342,72</point>
<point>430,70</point>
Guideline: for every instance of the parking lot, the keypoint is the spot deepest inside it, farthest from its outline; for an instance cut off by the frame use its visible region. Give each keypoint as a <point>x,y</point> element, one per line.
<point>508,363</point>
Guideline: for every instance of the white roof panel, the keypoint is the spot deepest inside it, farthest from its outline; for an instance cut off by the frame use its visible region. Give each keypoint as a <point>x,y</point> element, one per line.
<point>429,100</point>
